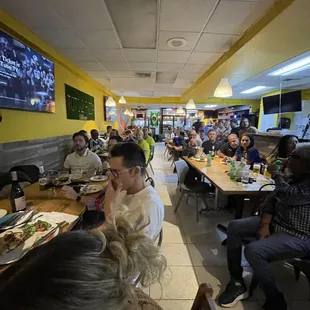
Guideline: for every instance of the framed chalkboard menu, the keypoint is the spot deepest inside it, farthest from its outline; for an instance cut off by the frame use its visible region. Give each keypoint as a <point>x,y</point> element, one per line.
<point>80,106</point>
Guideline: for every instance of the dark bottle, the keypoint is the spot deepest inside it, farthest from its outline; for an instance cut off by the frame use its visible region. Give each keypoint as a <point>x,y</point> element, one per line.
<point>18,201</point>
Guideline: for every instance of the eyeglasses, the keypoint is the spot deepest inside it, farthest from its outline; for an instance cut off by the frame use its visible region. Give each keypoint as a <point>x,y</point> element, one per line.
<point>116,173</point>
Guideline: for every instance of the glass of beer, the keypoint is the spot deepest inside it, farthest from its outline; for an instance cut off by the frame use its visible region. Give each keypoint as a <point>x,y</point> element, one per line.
<point>256,169</point>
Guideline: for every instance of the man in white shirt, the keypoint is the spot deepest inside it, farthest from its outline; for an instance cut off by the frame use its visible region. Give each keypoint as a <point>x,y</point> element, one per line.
<point>82,159</point>
<point>127,187</point>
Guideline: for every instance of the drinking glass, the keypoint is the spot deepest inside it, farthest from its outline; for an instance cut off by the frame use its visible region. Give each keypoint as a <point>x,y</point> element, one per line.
<point>245,176</point>
<point>256,169</point>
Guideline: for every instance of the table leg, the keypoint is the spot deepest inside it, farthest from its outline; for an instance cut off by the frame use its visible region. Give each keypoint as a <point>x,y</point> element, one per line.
<point>216,202</point>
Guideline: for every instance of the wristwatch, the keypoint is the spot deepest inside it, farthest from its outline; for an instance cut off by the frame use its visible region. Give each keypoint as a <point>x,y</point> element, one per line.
<point>78,198</point>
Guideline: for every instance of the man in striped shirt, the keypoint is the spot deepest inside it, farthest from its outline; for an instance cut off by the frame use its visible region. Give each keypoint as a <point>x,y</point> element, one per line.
<point>282,232</point>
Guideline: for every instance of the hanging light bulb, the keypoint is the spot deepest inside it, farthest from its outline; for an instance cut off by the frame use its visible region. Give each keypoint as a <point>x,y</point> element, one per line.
<point>180,110</point>
<point>126,112</point>
<point>130,114</point>
<point>110,102</point>
<point>191,105</point>
<point>223,90</point>
<point>122,100</point>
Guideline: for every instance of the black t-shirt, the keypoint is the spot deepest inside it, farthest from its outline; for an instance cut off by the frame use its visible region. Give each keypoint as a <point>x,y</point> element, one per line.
<point>235,130</point>
<point>207,146</point>
<point>227,150</point>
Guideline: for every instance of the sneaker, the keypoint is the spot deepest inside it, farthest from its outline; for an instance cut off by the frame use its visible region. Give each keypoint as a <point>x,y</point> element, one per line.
<point>235,291</point>
<point>276,303</point>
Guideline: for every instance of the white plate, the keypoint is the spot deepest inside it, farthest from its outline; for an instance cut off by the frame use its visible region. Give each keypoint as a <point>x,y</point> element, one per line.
<point>20,221</point>
<point>99,178</point>
<point>3,212</point>
<point>19,252</point>
<point>92,189</point>
<point>202,160</point>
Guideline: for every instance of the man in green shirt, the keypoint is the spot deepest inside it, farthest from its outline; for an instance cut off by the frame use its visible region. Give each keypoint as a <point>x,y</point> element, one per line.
<point>144,145</point>
<point>148,138</point>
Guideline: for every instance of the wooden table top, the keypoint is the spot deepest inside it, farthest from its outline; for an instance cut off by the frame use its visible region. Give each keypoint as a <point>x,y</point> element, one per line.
<point>218,177</point>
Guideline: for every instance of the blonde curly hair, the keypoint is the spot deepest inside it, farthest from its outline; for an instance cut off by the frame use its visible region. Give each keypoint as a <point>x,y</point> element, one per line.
<point>83,270</point>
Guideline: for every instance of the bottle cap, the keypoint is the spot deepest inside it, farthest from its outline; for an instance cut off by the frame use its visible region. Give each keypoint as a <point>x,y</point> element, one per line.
<point>14,175</point>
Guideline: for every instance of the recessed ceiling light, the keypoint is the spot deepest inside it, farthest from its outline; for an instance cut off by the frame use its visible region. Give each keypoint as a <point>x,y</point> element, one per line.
<point>210,105</point>
<point>176,42</point>
<point>295,67</point>
<point>253,90</point>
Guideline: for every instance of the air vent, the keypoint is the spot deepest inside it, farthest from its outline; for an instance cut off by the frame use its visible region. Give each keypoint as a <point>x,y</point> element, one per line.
<point>143,75</point>
<point>176,42</point>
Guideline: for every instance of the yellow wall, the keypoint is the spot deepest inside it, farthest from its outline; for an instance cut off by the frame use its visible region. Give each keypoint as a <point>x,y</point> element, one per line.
<point>21,125</point>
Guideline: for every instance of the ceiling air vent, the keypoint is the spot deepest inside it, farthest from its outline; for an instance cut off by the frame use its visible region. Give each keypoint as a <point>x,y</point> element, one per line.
<point>176,42</point>
<point>143,75</point>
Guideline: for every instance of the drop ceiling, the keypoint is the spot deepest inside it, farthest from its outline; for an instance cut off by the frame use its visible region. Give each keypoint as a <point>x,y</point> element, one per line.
<point>112,40</point>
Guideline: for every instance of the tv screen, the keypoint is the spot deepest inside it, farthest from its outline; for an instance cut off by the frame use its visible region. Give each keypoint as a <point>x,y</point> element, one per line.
<point>290,102</point>
<point>27,80</point>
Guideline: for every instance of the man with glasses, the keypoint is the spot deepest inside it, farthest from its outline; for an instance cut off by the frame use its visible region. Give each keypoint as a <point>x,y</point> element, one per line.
<point>282,232</point>
<point>127,188</point>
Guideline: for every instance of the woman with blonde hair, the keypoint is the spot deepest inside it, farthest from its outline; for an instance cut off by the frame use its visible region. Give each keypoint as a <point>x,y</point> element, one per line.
<point>82,270</point>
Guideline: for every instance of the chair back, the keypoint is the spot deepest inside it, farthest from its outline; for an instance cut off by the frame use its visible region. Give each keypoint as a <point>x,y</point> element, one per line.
<point>182,169</point>
<point>152,148</point>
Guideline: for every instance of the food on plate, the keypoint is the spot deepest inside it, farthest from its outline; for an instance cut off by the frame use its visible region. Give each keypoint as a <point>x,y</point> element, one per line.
<point>11,240</point>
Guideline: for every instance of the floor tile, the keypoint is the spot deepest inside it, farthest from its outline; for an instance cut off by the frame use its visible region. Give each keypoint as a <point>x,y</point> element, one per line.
<point>176,254</point>
<point>171,220</point>
<point>177,283</point>
<point>172,235</point>
<point>217,277</point>
<point>175,304</point>
<point>211,254</point>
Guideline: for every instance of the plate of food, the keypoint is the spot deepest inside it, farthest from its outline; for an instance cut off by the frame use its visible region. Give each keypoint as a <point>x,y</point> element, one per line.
<point>91,189</point>
<point>15,219</point>
<point>16,242</point>
<point>99,178</point>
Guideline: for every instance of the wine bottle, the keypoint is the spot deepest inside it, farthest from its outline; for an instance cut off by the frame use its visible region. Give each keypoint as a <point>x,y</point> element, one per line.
<point>213,151</point>
<point>42,179</point>
<point>18,201</point>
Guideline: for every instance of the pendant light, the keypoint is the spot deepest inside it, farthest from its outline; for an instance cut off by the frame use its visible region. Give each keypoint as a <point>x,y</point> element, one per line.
<point>191,105</point>
<point>110,102</point>
<point>223,90</point>
<point>130,114</point>
<point>122,100</point>
<point>126,112</point>
<point>180,110</point>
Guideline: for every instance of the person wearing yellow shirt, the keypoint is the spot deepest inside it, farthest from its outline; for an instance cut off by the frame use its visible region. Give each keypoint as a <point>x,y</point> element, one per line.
<point>144,145</point>
<point>148,138</point>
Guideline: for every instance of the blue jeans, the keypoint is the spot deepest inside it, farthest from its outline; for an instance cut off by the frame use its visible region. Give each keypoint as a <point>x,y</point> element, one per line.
<point>259,253</point>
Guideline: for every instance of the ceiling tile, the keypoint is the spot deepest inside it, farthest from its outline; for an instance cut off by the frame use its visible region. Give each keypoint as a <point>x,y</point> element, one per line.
<point>176,92</point>
<point>79,54</point>
<point>121,74</point>
<point>184,15</point>
<point>165,77</point>
<point>203,58</point>
<point>216,43</point>
<point>59,38</point>
<point>147,93</point>
<point>109,55</point>
<point>29,16</point>
<point>235,17</point>
<point>172,56</point>
<point>104,82</point>
<point>140,55</point>
<point>90,65</point>
<point>129,93</point>
<point>116,66</point>
<point>190,37</point>
<point>98,74</point>
<point>169,67</point>
<point>142,66</point>
<point>98,39</point>
<point>181,83</point>
<point>79,14</point>
<point>190,68</point>
<point>189,76</point>
<point>162,93</point>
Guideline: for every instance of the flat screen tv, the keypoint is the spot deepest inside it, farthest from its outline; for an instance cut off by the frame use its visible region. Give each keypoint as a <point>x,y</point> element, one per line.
<point>290,102</point>
<point>27,80</point>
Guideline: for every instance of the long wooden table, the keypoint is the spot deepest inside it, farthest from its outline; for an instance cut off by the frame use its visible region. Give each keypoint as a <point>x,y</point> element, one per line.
<point>218,177</point>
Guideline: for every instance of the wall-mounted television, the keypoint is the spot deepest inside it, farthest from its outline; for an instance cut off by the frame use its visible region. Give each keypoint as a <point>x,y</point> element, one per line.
<point>288,102</point>
<point>27,79</point>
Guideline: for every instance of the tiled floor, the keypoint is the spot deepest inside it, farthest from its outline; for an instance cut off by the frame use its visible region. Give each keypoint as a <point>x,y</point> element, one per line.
<point>195,254</point>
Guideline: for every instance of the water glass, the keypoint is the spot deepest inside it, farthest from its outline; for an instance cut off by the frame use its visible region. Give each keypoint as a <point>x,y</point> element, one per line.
<point>256,169</point>
<point>245,176</point>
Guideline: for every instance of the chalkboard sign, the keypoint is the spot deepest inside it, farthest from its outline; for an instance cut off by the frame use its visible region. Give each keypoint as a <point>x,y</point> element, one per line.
<point>80,106</point>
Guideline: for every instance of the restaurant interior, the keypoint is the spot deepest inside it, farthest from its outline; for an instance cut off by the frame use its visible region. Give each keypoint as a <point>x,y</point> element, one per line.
<point>72,65</point>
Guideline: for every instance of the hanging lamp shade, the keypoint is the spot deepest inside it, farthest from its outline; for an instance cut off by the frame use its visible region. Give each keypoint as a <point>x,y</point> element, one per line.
<point>191,105</point>
<point>223,90</point>
<point>130,114</point>
<point>110,102</point>
<point>122,100</point>
<point>126,112</point>
<point>180,110</point>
